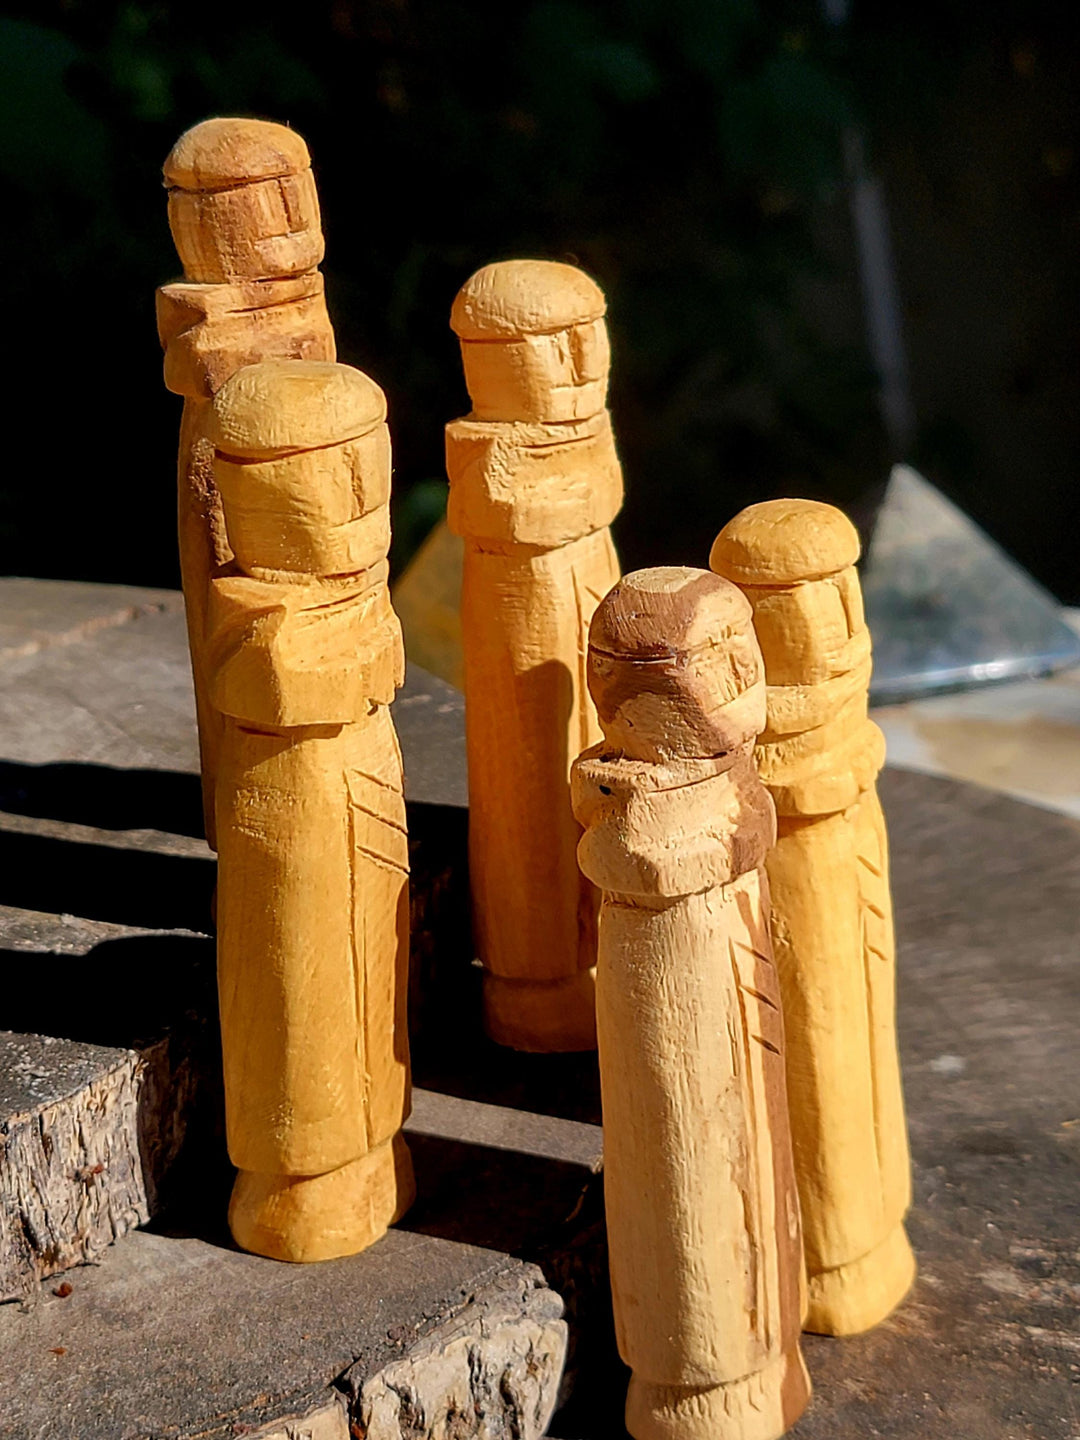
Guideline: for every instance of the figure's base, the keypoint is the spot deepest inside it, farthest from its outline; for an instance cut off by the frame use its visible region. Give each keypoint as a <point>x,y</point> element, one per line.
<point>542,1016</point>
<point>761,1406</point>
<point>321,1217</point>
<point>855,1297</point>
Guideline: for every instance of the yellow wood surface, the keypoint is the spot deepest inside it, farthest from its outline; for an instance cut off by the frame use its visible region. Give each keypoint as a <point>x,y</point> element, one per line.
<point>534,485</point>
<point>702,1207</point>
<point>245,219</point>
<point>832,914</point>
<point>427,599</point>
<point>313,911</point>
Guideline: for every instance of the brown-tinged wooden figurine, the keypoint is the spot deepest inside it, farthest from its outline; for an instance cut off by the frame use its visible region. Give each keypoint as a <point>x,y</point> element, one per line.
<point>245,220</point>
<point>702,1207</point>
<point>832,915</point>
<point>534,485</point>
<point>303,655</point>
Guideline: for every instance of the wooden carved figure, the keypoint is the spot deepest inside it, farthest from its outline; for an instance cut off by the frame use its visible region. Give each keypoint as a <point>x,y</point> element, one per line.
<point>832,916</point>
<point>534,485</point>
<point>245,219</point>
<point>303,658</point>
<point>702,1208</point>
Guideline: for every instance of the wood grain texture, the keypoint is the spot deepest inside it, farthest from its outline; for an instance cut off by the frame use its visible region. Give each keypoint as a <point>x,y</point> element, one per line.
<point>81,1166</point>
<point>702,1207</point>
<point>832,913</point>
<point>244,215</point>
<point>313,923</point>
<point>534,485</point>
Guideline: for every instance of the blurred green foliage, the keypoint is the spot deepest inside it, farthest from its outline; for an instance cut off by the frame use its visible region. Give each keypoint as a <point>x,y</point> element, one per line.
<point>685,152</point>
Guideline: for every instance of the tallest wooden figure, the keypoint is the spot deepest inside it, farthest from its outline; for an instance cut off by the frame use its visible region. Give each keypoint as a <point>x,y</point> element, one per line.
<point>534,485</point>
<point>244,216</point>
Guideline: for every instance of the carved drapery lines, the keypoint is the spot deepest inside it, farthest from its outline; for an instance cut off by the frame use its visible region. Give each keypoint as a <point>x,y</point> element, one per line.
<point>706,1263</point>
<point>304,655</point>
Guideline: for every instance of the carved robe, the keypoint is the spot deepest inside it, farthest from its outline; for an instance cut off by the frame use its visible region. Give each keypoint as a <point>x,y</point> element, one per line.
<point>311,807</point>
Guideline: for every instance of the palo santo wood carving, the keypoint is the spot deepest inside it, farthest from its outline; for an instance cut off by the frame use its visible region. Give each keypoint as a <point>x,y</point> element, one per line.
<point>303,657</point>
<point>534,485</point>
<point>702,1209</point>
<point>245,219</point>
<point>832,915</point>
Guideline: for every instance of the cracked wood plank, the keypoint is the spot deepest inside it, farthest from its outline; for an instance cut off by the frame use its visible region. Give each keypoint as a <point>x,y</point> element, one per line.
<point>82,1156</point>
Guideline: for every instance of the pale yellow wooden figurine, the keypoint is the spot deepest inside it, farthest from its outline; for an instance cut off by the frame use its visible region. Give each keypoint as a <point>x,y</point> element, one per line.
<point>702,1208</point>
<point>534,485</point>
<point>245,219</point>
<point>832,916</point>
<point>303,657</point>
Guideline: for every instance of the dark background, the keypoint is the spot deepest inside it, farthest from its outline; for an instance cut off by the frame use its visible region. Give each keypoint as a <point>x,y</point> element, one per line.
<point>688,153</point>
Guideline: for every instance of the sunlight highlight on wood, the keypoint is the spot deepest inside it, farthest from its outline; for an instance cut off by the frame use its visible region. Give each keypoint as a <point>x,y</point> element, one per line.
<point>244,217</point>
<point>832,913</point>
<point>303,657</point>
<point>534,485</point>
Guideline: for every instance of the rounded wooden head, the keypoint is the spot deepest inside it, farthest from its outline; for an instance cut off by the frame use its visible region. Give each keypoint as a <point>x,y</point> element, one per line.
<point>796,561</point>
<point>674,666</point>
<point>782,542</point>
<point>279,407</point>
<point>513,298</point>
<point>218,154</point>
<point>242,202</point>
<point>303,467</point>
<point>533,342</point>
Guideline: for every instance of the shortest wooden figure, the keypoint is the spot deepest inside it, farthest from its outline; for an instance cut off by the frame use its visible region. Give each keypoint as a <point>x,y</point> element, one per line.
<point>702,1208</point>
<point>304,655</point>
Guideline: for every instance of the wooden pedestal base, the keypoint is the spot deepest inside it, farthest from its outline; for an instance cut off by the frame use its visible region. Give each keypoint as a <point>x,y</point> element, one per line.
<point>761,1406</point>
<point>856,1296</point>
<point>545,1016</point>
<point>319,1217</point>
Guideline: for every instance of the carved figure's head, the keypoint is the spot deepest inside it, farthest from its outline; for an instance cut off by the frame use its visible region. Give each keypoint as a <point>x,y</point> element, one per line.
<point>303,467</point>
<point>242,202</point>
<point>533,342</point>
<point>674,668</point>
<point>795,561</point>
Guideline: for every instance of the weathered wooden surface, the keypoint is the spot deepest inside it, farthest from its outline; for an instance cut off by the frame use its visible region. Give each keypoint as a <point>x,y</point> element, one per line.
<point>177,1333</point>
<point>108,684</point>
<point>94,1117</point>
<point>497,1362</point>
<point>87,1135</point>
<point>38,614</point>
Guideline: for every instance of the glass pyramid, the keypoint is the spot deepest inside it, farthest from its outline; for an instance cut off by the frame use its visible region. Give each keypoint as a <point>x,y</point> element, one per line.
<point>947,608</point>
